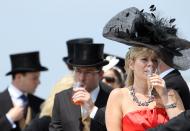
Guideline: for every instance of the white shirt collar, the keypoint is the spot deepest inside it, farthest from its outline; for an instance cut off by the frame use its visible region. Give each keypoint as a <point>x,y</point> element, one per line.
<point>15,94</point>
<point>166,72</point>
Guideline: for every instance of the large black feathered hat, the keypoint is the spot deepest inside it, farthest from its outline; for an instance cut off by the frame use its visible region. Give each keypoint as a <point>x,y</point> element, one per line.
<point>70,44</point>
<point>26,62</point>
<point>88,55</point>
<point>137,28</point>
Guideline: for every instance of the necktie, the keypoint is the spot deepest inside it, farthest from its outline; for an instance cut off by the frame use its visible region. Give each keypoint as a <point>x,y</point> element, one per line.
<point>25,101</point>
<point>86,123</point>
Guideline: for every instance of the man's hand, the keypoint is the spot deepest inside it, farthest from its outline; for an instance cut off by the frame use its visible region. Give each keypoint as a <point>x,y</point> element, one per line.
<point>84,97</point>
<point>16,113</point>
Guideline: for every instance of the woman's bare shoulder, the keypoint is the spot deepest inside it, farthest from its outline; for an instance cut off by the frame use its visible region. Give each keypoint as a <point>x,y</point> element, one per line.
<point>119,92</point>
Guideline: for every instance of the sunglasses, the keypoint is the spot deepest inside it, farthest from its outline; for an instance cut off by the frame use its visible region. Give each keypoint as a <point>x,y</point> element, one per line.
<point>109,79</point>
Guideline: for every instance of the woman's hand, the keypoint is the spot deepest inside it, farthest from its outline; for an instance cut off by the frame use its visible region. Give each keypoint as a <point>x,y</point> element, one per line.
<point>169,97</point>
<point>159,84</point>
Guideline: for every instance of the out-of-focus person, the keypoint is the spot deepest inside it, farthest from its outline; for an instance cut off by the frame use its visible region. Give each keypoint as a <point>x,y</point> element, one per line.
<point>174,80</point>
<point>114,75</point>
<point>18,104</point>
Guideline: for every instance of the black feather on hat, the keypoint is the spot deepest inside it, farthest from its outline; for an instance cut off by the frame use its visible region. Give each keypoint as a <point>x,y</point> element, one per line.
<point>138,28</point>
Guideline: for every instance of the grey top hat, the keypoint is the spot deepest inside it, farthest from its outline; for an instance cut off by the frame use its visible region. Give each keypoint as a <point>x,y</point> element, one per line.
<point>26,62</point>
<point>137,28</point>
<point>88,55</point>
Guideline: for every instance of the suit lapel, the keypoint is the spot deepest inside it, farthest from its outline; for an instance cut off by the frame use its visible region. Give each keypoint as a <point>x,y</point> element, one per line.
<point>102,96</point>
<point>73,108</point>
<point>171,74</point>
<point>6,101</point>
<point>74,111</point>
<point>101,101</point>
<point>33,106</point>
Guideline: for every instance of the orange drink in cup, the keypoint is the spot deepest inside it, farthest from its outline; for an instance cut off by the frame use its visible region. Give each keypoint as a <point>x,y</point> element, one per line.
<point>76,85</point>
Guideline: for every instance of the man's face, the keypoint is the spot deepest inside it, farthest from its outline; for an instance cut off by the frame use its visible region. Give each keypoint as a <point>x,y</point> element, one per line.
<point>29,81</point>
<point>89,77</point>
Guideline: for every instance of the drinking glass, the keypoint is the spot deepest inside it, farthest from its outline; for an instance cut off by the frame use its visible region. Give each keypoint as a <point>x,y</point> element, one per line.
<point>76,85</point>
<point>149,74</point>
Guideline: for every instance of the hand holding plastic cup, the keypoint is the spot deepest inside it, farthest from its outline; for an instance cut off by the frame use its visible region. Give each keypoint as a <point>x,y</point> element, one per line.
<point>76,85</point>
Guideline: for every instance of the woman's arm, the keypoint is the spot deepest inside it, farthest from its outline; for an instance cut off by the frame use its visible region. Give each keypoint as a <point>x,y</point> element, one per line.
<point>114,111</point>
<point>173,103</point>
<point>170,98</point>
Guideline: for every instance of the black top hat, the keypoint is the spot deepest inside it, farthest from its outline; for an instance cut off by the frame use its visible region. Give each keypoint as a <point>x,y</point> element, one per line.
<point>70,44</point>
<point>26,62</point>
<point>138,28</point>
<point>88,55</point>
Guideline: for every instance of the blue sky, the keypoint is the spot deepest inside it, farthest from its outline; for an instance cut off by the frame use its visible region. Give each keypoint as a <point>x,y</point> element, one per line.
<point>45,25</point>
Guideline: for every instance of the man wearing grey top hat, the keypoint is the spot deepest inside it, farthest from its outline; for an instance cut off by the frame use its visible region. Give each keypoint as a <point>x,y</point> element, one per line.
<point>19,105</point>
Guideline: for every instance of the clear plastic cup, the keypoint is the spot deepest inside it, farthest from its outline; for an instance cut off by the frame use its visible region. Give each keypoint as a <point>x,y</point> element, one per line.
<point>149,74</point>
<point>76,85</point>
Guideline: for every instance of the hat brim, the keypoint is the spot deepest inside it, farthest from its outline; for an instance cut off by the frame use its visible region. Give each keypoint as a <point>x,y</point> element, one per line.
<point>167,60</point>
<point>135,28</point>
<point>17,70</point>
<point>65,59</point>
<point>99,64</point>
<point>178,62</point>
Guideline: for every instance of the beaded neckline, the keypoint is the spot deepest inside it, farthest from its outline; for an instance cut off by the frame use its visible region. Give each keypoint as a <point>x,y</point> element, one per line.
<point>140,103</point>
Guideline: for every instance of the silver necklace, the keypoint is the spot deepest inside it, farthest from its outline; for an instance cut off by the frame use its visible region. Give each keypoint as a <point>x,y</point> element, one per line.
<point>140,103</point>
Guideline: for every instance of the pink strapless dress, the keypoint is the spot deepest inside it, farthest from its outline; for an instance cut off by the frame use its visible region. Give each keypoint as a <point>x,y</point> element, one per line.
<point>143,119</point>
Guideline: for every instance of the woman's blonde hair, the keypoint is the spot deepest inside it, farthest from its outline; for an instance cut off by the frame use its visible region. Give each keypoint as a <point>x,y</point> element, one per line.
<point>132,54</point>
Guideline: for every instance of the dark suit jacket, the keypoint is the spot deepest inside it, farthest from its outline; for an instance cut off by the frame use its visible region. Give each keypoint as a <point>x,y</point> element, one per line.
<point>6,104</point>
<point>39,124</point>
<point>179,123</point>
<point>67,116</point>
<point>175,81</point>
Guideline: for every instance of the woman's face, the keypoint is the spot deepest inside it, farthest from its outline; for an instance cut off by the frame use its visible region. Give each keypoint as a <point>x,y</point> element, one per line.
<point>141,64</point>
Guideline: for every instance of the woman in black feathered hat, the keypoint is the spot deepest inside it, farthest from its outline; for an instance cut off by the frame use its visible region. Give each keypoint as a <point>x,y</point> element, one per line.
<point>145,102</point>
